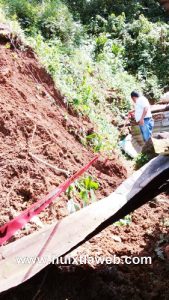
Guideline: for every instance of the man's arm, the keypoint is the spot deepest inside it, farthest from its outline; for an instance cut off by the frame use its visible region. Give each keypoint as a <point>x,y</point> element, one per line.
<point>141,122</point>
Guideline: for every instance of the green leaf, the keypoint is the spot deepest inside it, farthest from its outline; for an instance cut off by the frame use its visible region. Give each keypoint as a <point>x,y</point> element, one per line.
<point>84,195</point>
<point>124,222</point>
<point>91,136</point>
<point>90,184</point>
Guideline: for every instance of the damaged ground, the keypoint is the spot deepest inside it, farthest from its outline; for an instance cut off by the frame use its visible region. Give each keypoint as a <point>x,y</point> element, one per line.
<point>40,140</point>
<point>35,124</point>
<point>147,235</point>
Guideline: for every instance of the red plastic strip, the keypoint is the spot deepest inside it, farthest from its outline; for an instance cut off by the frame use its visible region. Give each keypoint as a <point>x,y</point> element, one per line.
<point>9,229</point>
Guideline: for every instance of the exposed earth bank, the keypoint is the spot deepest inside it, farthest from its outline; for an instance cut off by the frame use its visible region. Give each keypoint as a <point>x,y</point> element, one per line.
<point>34,123</point>
<point>36,129</point>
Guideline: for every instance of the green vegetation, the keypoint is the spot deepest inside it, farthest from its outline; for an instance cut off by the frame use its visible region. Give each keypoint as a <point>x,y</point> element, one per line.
<point>82,193</point>
<point>126,221</point>
<point>141,160</point>
<point>87,10</point>
<point>97,52</point>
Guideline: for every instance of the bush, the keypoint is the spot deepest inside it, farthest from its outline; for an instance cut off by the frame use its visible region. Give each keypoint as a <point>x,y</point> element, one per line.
<point>26,12</point>
<point>57,21</point>
<point>146,51</point>
<point>88,10</point>
<point>51,17</point>
<point>83,83</point>
<point>139,47</point>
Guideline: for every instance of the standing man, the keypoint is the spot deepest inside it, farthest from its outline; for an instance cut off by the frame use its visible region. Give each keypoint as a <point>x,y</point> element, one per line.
<point>143,115</point>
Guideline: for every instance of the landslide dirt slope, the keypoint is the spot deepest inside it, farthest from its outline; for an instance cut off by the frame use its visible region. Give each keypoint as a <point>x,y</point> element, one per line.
<point>34,120</point>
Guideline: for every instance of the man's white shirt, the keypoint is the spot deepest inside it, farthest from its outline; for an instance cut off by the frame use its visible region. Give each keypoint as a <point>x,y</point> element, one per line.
<point>141,103</point>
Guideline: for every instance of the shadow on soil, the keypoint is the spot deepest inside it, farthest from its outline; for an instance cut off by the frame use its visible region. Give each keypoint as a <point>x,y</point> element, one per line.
<point>105,281</point>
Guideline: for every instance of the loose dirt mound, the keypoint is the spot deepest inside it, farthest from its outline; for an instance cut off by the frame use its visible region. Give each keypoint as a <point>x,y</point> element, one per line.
<point>34,126</point>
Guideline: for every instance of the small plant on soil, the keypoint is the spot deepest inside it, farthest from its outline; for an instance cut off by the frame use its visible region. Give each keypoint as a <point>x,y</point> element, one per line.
<point>95,141</point>
<point>81,193</point>
<point>124,222</point>
<point>141,160</point>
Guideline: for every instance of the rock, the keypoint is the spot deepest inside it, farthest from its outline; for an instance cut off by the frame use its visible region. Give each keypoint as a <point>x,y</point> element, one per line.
<point>165,98</point>
<point>116,238</point>
<point>161,135</point>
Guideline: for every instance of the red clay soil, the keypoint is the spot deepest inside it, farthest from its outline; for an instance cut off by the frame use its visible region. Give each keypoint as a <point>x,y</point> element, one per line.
<point>146,236</point>
<point>33,120</point>
<point>34,123</point>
